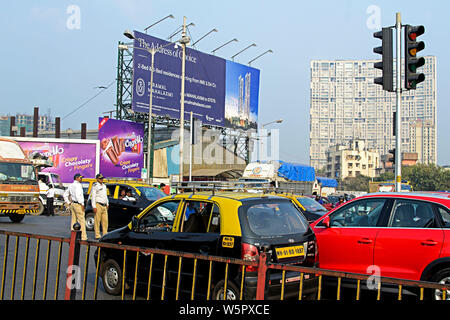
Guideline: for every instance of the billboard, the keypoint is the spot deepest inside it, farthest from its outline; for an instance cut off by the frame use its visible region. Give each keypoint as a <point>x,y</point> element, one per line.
<point>68,157</point>
<point>218,92</point>
<point>121,148</point>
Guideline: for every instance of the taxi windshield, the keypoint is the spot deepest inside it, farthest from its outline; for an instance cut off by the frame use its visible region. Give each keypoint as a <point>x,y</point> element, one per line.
<point>311,205</point>
<point>151,193</point>
<point>274,218</point>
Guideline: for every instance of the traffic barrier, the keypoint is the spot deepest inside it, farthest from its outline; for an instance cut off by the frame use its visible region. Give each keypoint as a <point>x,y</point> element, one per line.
<point>42,276</point>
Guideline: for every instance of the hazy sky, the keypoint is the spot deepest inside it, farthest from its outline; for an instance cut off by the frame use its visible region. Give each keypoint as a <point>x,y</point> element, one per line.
<point>56,52</point>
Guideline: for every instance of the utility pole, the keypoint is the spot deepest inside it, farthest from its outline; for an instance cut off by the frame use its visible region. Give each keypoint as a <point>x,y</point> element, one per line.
<point>184,41</point>
<point>398,140</point>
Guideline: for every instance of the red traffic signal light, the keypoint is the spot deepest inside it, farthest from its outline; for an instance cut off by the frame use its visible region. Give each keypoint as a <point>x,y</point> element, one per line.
<point>412,62</point>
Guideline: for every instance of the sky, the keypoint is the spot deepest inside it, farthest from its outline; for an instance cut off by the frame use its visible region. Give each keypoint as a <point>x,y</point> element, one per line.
<point>56,53</point>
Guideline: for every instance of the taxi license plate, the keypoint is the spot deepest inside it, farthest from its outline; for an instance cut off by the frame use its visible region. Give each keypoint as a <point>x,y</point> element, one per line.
<point>289,252</point>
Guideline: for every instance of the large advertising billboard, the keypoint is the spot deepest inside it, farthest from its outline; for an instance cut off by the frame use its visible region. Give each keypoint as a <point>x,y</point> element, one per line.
<point>217,91</point>
<point>121,148</point>
<point>68,158</point>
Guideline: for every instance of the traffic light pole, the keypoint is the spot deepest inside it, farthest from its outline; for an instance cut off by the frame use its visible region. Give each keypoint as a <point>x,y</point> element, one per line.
<point>398,152</point>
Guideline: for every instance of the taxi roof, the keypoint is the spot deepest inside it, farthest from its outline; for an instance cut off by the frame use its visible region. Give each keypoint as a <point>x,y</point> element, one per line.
<point>238,196</point>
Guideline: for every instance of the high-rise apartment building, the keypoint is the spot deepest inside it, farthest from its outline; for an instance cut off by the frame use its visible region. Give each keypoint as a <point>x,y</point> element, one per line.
<point>345,104</point>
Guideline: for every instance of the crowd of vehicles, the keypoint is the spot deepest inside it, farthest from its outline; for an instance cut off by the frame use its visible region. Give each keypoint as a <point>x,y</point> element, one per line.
<point>403,234</point>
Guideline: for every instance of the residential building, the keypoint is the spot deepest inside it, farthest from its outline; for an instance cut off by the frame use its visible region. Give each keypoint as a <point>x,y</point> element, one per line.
<point>351,160</point>
<point>346,104</point>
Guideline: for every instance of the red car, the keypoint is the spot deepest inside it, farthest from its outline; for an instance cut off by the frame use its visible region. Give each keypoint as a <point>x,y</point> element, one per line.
<point>405,235</point>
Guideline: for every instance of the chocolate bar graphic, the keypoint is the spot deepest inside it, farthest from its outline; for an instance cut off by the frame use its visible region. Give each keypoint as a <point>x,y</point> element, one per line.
<point>108,146</point>
<point>115,142</point>
<point>122,145</point>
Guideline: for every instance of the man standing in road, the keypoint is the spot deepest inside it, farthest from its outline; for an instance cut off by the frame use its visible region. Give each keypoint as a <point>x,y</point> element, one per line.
<point>100,204</point>
<point>50,196</point>
<point>75,199</point>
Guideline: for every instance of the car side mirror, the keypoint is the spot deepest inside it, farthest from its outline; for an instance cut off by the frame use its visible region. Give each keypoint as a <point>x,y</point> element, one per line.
<point>134,223</point>
<point>326,221</point>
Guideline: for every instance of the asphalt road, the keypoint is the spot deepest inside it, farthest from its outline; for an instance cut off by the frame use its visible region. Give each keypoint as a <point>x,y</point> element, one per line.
<point>36,279</point>
<point>44,277</point>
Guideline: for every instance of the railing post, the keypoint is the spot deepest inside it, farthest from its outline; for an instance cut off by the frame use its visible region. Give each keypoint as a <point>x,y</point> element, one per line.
<point>73,263</point>
<point>262,276</point>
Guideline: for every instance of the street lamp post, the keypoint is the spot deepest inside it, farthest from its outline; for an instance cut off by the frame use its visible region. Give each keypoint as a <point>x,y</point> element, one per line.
<point>184,41</point>
<point>261,140</point>
<point>152,52</point>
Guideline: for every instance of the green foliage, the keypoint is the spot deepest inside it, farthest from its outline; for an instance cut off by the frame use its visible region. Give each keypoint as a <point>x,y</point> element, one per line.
<point>422,177</point>
<point>358,183</point>
<point>427,177</point>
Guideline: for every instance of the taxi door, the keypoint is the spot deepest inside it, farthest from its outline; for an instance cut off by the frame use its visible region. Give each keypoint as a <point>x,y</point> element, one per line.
<point>197,230</point>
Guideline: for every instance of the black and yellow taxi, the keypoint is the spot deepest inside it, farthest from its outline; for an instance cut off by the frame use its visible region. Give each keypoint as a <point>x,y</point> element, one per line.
<point>225,224</point>
<point>126,198</point>
<point>311,209</point>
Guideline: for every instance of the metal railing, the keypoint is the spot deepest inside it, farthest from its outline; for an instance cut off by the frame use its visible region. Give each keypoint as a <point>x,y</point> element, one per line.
<point>42,267</point>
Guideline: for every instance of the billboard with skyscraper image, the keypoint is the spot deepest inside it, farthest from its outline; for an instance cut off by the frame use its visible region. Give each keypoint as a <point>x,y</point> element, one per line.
<point>218,92</point>
<point>241,96</point>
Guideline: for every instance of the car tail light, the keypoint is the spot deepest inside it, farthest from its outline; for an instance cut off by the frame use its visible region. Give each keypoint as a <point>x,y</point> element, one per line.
<point>250,253</point>
<point>312,253</point>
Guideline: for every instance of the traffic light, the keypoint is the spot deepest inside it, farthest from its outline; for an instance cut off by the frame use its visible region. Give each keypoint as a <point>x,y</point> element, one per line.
<point>412,62</point>
<point>392,159</point>
<point>386,50</point>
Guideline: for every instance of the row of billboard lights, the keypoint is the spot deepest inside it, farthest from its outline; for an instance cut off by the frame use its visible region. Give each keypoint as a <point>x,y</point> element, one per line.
<point>211,31</point>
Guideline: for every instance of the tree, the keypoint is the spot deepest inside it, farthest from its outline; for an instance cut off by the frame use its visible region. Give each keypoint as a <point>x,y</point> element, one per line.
<point>358,183</point>
<point>427,177</point>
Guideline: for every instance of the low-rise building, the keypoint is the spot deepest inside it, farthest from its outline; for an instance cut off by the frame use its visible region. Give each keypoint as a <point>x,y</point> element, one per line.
<point>351,160</point>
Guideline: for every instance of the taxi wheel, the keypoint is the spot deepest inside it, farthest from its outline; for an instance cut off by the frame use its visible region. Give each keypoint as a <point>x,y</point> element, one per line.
<point>90,220</point>
<point>232,291</point>
<point>112,277</point>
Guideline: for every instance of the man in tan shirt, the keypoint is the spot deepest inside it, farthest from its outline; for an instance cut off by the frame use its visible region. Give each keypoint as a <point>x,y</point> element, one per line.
<point>100,204</point>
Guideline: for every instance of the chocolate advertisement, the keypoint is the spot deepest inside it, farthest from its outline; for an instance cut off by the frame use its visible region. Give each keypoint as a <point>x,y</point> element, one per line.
<point>121,148</point>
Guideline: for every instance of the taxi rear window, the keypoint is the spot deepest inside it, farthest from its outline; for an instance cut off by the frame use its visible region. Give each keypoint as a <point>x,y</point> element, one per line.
<point>273,218</point>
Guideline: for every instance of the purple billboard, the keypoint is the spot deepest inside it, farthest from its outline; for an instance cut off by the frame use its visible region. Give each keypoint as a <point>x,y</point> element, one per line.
<point>121,148</point>
<point>67,158</point>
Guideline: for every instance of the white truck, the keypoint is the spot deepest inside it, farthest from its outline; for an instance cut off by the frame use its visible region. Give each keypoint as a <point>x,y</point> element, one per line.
<point>283,176</point>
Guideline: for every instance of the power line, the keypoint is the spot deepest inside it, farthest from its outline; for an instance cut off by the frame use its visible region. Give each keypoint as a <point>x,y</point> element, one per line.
<point>89,100</point>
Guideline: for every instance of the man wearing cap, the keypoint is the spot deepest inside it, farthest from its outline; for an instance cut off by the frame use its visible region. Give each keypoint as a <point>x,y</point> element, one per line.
<point>74,197</point>
<point>100,204</point>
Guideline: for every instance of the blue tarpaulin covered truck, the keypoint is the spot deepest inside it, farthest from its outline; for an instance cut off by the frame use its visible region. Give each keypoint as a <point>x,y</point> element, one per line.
<point>289,177</point>
<point>285,176</point>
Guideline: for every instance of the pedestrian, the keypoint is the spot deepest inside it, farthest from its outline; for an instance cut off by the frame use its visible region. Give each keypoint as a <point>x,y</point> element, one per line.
<point>50,196</point>
<point>100,205</point>
<point>319,199</point>
<point>340,202</point>
<point>164,188</point>
<point>74,197</point>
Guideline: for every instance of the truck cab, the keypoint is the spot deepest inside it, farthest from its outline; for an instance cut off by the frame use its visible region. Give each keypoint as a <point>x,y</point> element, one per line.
<point>19,190</point>
<point>45,179</point>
